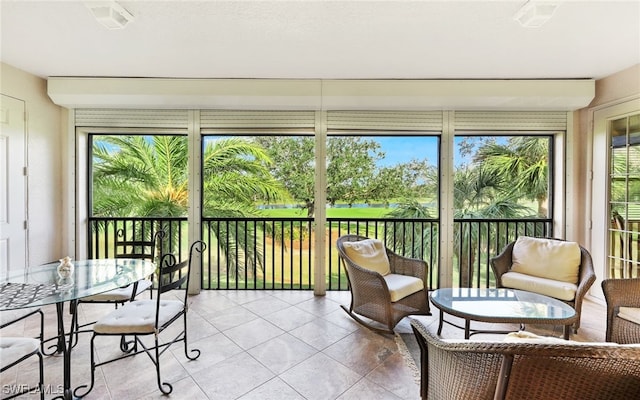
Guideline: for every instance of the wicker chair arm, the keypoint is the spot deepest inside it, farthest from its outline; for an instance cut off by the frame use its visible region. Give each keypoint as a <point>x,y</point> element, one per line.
<point>367,279</point>
<point>468,369</point>
<point>407,266</point>
<point>501,263</point>
<point>560,348</point>
<point>587,274</point>
<point>622,292</point>
<point>619,293</point>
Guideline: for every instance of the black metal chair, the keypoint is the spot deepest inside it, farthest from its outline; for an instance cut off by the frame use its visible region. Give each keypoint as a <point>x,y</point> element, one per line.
<point>142,249</point>
<point>10,317</point>
<point>150,317</point>
<point>130,248</point>
<point>13,351</point>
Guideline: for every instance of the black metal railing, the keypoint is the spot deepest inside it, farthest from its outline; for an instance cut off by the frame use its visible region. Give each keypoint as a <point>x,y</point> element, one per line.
<point>475,241</point>
<point>415,238</point>
<point>277,253</point>
<point>258,253</point>
<point>103,234</point>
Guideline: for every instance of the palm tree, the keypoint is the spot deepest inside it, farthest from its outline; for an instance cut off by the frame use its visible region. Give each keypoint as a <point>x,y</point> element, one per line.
<point>479,194</point>
<point>524,161</point>
<point>148,176</point>
<point>417,241</point>
<point>140,176</point>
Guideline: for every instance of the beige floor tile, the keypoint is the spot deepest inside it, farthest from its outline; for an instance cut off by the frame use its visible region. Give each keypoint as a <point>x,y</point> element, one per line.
<point>320,378</point>
<point>260,345</point>
<point>290,318</point>
<point>233,377</point>
<point>319,333</point>
<point>275,389</point>
<point>365,389</point>
<point>253,333</point>
<point>281,353</point>
<point>363,350</point>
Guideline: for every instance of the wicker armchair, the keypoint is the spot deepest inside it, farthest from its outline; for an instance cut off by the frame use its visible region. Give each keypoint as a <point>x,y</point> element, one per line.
<point>370,291</point>
<point>474,370</point>
<point>502,263</point>
<point>621,293</point>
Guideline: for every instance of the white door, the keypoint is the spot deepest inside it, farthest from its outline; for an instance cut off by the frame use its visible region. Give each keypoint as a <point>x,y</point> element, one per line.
<point>607,198</point>
<point>13,204</point>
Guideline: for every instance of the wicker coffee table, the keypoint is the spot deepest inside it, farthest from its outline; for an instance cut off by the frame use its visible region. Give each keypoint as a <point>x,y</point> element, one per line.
<point>501,306</point>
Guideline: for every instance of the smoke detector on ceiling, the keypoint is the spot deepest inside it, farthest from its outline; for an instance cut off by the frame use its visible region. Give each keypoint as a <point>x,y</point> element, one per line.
<point>535,13</point>
<point>110,14</point>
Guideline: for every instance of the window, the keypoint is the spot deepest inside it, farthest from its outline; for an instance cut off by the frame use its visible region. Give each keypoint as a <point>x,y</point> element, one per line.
<point>138,185</point>
<point>502,189</point>
<point>624,197</point>
<point>269,181</point>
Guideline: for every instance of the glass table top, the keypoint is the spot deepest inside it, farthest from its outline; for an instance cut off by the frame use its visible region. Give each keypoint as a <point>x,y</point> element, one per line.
<point>41,285</point>
<point>500,303</point>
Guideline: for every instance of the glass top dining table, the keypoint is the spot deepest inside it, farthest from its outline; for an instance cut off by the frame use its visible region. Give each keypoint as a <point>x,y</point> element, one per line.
<point>42,285</point>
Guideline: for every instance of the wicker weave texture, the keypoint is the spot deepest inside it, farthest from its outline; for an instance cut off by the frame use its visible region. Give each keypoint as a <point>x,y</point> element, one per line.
<point>457,369</point>
<point>586,275</point>
<point>621,293</point>
<point>369,292</point>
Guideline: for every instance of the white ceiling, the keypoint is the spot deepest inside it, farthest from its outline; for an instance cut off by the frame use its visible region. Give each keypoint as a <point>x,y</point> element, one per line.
<point>322,40</point>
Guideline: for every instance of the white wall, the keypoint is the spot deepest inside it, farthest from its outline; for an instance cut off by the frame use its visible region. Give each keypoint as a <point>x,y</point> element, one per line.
<point>45,149</point>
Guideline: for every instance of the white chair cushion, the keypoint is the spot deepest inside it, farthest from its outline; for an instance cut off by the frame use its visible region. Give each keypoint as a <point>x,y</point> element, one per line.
<point>14,348</point>
<point>546,258</point>
<point>369,254</point>
<point>548,287</point>
<point>138,316</point>
<point>11,315</point>
<point>529,337</point>
<point>121,294</point>
<point>401,286</point>
<point>631,314</point>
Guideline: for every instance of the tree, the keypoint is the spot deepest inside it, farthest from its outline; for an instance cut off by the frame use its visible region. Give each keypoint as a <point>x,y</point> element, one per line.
<point>417,242</point>
<point>479,194</point>
<point>351,168</point>
<point>352,171</point>
<point>140,176</point>
<point>293,165</point>
<point>148,176</point>
<point>523,160</point>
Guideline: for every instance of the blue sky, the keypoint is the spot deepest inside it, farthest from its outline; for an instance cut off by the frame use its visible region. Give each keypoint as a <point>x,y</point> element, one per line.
<point>406,148</point>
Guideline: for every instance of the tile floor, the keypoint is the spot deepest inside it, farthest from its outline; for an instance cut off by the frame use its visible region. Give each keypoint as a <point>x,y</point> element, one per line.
<point>259,345</point>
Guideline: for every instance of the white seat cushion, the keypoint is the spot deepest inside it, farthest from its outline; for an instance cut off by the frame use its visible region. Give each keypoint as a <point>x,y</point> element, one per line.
<point>548,287</point>
<point>121,294</point>
<point>369,254</point>
<point>401,286</point>
<point>14,348</point>
<point>11,315</point>
<point>630,314</point>
<point>138,316</point>
<point>547,258</point>
<point>529,337</point>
